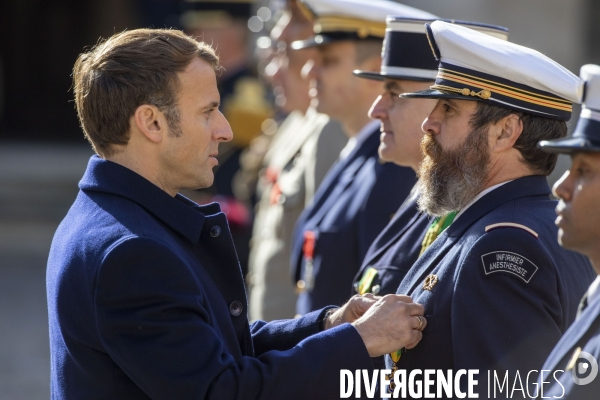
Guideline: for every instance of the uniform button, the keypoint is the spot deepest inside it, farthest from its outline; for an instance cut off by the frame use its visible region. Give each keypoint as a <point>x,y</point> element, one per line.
<point>215,231</point>
<point>236,308</point>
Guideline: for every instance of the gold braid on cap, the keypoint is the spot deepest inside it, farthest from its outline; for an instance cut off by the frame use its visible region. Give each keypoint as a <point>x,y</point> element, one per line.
<point>483,94</point>
<point>361,27</point>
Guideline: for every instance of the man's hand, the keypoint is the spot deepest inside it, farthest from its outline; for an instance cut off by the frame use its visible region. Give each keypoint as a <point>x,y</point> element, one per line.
<point>391,324</point>
<point>351,311</point>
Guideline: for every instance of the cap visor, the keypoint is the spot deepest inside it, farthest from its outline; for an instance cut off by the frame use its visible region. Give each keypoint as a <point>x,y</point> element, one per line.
<point>379,76</point>
<point>567,146</point>
<point>436,94</point>
<point>311,42</point>
<point>369,75</point>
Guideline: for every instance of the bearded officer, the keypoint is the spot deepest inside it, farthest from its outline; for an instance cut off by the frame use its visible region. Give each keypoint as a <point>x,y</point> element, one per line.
<point>571,370</point>
<point>360,194</point>
<point>407,66</point>
<point>497,288</point>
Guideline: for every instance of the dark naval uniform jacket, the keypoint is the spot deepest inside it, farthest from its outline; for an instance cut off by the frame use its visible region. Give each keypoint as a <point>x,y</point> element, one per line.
<point>146,300</point>
<point>568,358</point>
<point>395,250</point>
<point>355,201</point>
<point>497,288</point>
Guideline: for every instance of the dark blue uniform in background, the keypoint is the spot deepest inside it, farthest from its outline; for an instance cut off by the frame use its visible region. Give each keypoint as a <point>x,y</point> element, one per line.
<point>582,336</point>
<point>146,300</point>
<point>503,295</point>
<point>355,201</point>
<point>395,250</point>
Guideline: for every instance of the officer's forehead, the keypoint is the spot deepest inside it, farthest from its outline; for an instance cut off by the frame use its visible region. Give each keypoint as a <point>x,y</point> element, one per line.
<point>592,157</point>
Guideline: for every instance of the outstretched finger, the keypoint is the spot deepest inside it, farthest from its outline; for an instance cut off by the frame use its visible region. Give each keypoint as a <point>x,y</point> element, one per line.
<point>403,298</point>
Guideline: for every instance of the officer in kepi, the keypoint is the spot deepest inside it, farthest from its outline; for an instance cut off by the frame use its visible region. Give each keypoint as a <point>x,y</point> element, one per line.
<point>574,360</point>
<point>359,194</point>
<point>497,288</point>
<point>407,66</point>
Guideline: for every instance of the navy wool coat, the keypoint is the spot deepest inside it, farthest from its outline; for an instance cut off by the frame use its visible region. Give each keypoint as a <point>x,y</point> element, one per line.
<point>505,291</point>
<point>355,201</point>
<point>146,300</point>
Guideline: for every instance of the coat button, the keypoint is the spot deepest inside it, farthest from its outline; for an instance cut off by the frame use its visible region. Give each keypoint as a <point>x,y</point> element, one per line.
<point>235,308</point>
<point>215,231</point>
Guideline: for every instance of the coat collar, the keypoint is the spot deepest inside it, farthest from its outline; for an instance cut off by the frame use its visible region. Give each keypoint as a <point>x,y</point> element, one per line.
<point>178,213</point>
<point>534,185</point>
<point>348,166</point>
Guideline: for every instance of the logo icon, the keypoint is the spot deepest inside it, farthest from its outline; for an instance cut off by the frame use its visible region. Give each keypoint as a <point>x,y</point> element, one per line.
<point>585,369</point>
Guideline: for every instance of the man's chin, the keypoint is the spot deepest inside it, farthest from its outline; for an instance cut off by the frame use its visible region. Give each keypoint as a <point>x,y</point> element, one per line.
<point>564,240</point>
<point>384,153</point>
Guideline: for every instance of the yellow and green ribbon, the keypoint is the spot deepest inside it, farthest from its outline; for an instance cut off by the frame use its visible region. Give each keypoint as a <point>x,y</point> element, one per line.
<point>436,228</point>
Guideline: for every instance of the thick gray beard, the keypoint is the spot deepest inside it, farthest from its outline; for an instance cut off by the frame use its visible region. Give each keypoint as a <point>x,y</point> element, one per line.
<point>450,179</point>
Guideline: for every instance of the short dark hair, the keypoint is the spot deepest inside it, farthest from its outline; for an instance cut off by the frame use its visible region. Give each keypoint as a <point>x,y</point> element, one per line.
<point>535,128</point>
<point>127,70</point>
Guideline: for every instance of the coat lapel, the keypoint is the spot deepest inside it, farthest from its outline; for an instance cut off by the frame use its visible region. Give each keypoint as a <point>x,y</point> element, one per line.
<point>343,170</point>
<point>401,222</point>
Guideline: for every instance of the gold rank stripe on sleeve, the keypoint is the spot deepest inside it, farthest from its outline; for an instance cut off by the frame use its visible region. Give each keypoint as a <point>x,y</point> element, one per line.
<point>505,90</point>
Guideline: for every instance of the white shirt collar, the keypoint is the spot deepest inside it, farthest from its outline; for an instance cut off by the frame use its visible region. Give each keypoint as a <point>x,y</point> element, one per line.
<point>479,196</point>
<point>593,293</point>
<point>362,134</point>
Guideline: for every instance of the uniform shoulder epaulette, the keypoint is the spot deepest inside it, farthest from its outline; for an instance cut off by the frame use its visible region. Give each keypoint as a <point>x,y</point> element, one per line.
<point>511,225</point>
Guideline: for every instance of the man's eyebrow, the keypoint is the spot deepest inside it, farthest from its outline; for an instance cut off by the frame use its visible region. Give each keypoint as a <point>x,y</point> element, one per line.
<point>211,105</point>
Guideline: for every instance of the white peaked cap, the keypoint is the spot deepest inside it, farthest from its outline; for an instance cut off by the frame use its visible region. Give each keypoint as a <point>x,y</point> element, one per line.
<point>586,136</point>
<point>475,66</point>
<point>371,10</point>
<point>335,20</point>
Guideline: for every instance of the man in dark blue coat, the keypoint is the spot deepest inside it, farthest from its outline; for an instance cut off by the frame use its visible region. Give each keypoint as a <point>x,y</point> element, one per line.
<point>360,194</point>
<point>498,290</point>
<point>407,66</point>
<point>571,370</point>
<point>145,293</point>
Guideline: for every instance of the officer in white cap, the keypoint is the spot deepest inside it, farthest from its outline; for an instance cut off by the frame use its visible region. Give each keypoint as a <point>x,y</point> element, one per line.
<point>360,194</point>
<point>407,66</point>
<point>574,360</point>
<point>498,290</point>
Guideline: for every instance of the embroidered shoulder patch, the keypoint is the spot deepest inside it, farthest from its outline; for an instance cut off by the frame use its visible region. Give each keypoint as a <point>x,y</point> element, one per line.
<point>508,263</point>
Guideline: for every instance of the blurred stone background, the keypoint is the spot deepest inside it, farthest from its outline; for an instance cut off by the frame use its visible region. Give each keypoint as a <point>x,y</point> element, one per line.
<point>43,153</point>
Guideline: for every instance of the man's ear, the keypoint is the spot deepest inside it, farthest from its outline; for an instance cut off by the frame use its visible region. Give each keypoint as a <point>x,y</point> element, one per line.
<point>151,122</point>
<point>508,130</point>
